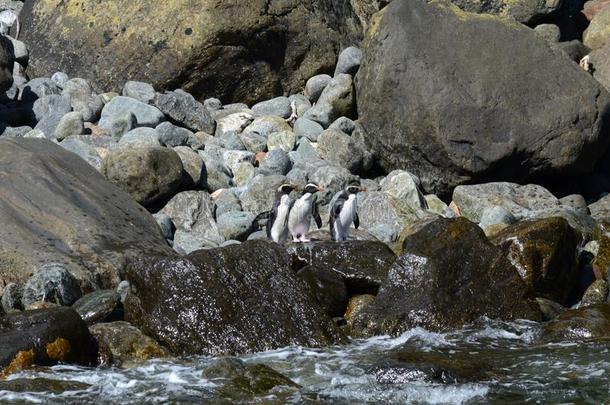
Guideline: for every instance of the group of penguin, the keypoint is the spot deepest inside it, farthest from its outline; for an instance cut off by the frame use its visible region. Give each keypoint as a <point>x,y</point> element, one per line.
<point>292,218</point>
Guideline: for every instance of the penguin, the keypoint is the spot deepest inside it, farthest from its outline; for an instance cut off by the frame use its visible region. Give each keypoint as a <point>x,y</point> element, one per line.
<point>277,225</point>
<point>303,209</point>
<point>344,211</point>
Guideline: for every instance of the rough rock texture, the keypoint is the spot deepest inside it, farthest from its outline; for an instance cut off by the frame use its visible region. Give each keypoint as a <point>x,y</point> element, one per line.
<point>146,173</point>
<point>579,324</point>
<point>456,97</point>
<point>87,223</point>
<point>448,275</point>
<point>525,11</point>
<point>236,50</point>
<point>127,344</point>
<point>364,265</point>
<point>544,252</point>
<point>237,299</point>
<point>44,337</point>
<point>597,33</point>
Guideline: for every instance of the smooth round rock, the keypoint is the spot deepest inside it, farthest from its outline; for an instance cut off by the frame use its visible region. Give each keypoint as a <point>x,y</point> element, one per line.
<point>97,306</point>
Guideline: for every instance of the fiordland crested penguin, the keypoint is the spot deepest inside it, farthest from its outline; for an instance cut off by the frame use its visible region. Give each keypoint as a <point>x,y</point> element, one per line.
<point>344,211</point>
<point>300,215</point>
<point>277,225</point>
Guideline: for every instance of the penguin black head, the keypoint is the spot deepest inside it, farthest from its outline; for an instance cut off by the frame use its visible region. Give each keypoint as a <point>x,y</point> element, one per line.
<point>354,187</point>
<point>312,188</point>
<point>286,188</point>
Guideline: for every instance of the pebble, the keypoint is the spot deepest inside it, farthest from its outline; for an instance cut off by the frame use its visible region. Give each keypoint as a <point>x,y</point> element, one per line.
<point>349,61</point>
<point>142,136</point>
<point>143,92</point>
<point>315,86</point>
<point>306,128</point>
<point>279,106</point>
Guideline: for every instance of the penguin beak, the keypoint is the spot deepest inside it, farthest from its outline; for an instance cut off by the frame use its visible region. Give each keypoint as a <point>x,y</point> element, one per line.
<point>363,189</point>
<point>320,189</point>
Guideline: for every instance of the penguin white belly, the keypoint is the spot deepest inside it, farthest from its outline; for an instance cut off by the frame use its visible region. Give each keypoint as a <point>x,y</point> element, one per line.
<point>279,231</point>
<point>346,217</point>
<point>300,216</point>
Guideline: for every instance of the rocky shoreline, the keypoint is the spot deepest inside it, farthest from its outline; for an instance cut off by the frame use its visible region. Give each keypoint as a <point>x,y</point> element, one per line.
<point>130,219</point>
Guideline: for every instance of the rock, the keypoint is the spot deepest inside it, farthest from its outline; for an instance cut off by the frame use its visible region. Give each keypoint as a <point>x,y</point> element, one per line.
<point>276,162</point>
<point>597,33</point>
<point>19,50</point>
<point>129,346</point>
<point>579,324</point>
<point>184,110</point>
<point>85,151</point>
<point>148,174</point>
<point>243,173</point>
<point>575,201</point>
<point>456,151</point>
<point>301,103</point>
<point>146,115</point>
<point>70,124</point>
<point>403,186</point>
<point>236,225</point>
<point>194,174</point>
<point>349,61</point>
<point>575,50</point>
<point>165,224</point>
<point>140,137</point>
<point>49,111</point>
<point>11,298</point>
<point>232,158</point>
<point>85,223</point>
<point>52,282</point>
<point>267,125</point>
<point>328,287</point>
<point>38,87</point>
<point>297,176</point>
<point>343,124</point>
<point>306,150</point>
<point>171,135</point>
<point>260,193</point>
<point>337,100</point>
<point>449,275</point>
<point>123,290</point>
<point>212,104</point>
<point>524,11</point>
<point>42,385</point>
<point>83,99</point>
<point>237,381</point>
<point>218,177</point>
<point>253,142</point>
<point>120,124</point>
<point>285,140</point>
<point>332,178</point>
<point>550,309</point>
<point>495,219</point>
<point>523,202</point>
<point>143,92</point>
<point>356,306</point>
<point>378,209</point>
<point>306,128</point>
<point>192,212</point>
<point>343,150</point>
<point>597,293</point>
<point>16,132</point>
<point>279,106</point>
<point>363,265</point>
<point>235,123</point>
<point>600,210</point>
<point>601,68</point>
<point>60,79</point>
<point>97,306</point>
<point>231,141</point>
<point>544,252</point>
<point>44,337</point>
<point>315,86</point>
<point>274,49</point>
<point>593,7</point>
<point>549,32</point>
<point>226,297</point>
<point>225,201</point>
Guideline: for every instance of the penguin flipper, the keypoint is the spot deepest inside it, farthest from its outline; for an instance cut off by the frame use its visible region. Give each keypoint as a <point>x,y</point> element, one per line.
<point>356,220</point>
<point>316,215</point>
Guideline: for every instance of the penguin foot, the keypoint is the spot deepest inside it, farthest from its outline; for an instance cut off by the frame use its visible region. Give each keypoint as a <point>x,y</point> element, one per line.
<point>304,239</point>
<point>296,238</point>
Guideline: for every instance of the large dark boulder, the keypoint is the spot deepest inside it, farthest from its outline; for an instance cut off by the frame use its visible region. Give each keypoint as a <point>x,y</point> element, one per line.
<point>363,265</point>
<point>44,337</point>
<point>456,97</point>
<point>448,275</point>
<point>545,253</point>
<point>236,50</point>
<point>238,299</point>
<point>56,208</point>
<point>579,324</point>
<point>7,59</point>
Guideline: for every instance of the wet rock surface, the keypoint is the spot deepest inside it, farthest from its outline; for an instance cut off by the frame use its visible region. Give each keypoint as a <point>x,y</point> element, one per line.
<point>238,299</point>
<point>448,275</point>
<point>579,324</point>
